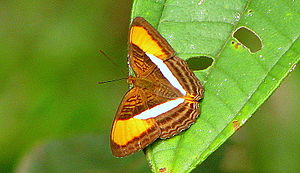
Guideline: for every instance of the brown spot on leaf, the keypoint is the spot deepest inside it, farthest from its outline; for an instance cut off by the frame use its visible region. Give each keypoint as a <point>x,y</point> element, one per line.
<point>162,169</point>
<point>236,125</point>
<point>236,45</point>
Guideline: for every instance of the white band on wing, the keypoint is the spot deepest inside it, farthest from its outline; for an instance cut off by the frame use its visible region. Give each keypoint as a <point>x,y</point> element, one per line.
<point>166,72</point>
<point>159,109</point>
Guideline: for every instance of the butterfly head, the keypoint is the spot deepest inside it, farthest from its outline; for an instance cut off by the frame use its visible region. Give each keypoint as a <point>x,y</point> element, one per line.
<point>131,79</point>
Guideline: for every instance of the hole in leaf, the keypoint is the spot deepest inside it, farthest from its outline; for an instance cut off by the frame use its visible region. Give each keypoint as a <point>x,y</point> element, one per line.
<point>199,62</point>
<point>248,38</point>
<point>250,11</point>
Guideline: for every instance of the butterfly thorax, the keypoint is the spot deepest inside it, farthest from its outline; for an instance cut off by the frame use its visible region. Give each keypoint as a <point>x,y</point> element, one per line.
<point>154,88</point>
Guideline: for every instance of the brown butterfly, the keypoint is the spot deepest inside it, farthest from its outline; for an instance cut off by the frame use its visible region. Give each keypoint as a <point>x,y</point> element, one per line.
<point>165,94</point>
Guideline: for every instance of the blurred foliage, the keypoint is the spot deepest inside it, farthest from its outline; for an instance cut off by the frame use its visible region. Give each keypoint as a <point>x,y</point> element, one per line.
<point>49,67</point>
<point>79,154</point>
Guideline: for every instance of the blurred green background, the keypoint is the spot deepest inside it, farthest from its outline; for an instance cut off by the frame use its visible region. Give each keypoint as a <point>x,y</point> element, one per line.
<point>49,68</point>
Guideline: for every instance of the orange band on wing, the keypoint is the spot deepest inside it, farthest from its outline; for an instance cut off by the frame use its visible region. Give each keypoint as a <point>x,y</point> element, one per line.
<point>126,130</point>
<point>140,37</point>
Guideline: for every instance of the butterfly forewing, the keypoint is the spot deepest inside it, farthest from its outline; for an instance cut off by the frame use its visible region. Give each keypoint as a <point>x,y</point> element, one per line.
<point>143,35</point>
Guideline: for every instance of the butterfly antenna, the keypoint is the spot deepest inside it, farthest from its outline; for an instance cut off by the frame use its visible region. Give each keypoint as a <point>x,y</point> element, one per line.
<point>111,61</point>
<point>111,81</point>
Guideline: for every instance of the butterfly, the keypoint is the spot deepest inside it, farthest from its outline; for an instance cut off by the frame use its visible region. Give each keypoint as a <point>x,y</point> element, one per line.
<point>164,99</point>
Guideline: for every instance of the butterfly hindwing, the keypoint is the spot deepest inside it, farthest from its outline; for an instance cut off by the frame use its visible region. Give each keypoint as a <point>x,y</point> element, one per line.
<point>178,119</point>
<point>130,134</point>
<point>188,79</point>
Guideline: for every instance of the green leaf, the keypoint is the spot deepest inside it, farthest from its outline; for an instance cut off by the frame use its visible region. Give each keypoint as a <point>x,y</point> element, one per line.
<point>238,82</point>
<point>86,154</point>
